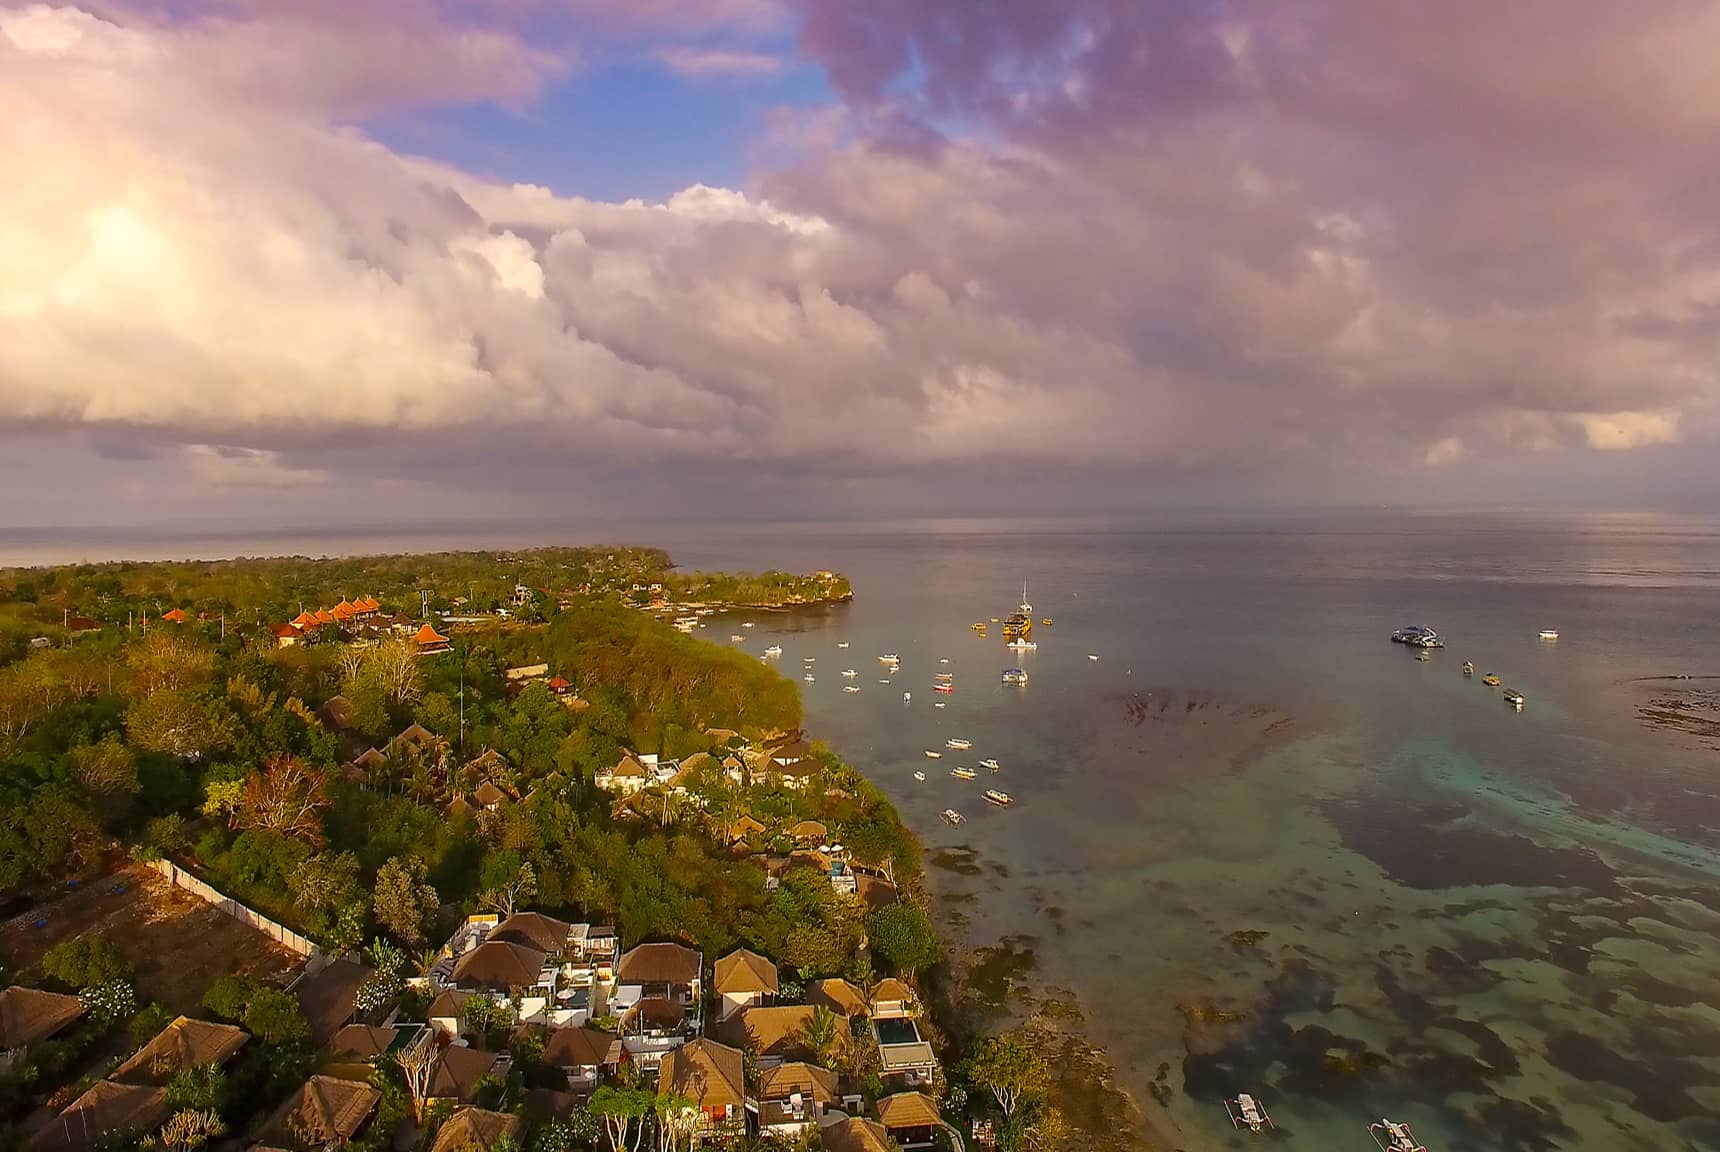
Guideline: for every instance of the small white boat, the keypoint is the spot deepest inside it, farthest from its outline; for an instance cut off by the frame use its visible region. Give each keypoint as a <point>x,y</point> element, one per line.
<point>1246,1112</point>
<point>809,678</point>
<point>907,697</point>
<point>1394,1137</point>
<point>851,687</point>
<point>883,681</point>
<point>958,744</point>
<point>918,775</point>
<point>992,764</point>
<point>1023,644</point>
<point>933,754</point>
<point>736,638</point>
<point>773,650</point>
<point>1092,655</point>
<point>951,816</point>
<point>946,676</point>
<point>1001,799</point>
<point>1015,675</point>
<point>842,644</point>
<point>1514,698</point>
<point>890,658</point>
<point>939,704</point>
<point>1549,633</point>
<point>945,660</point>
<point>808,659</point>
<point>849,672</point>
<point>943,687</point>
<point>747,624</point>
<point>961,773</point>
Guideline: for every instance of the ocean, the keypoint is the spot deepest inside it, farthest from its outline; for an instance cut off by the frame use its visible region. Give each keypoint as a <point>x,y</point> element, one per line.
<point>1268,851</point>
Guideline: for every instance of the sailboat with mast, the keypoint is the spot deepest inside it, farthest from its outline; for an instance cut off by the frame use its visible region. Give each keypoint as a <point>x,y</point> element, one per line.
<point>1020,623</point>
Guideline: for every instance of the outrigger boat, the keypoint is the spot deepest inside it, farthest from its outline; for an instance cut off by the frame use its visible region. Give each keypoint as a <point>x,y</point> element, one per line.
<point>934,754</point>
<point>1490,680</point>
<point>992,764</point>
<point>961,773</point>
<point>1514,698</point>
<point>946,676</point>
<point>842,644</point>
<point>890,658</point>
<point>1468,668</point>
<point>1245,1112</point>
<point>809,678</point>
<point>851,687</point>
<point>944,686</point>
<point>1022,644</point>
<point>773,650</point>
<point>736,638</point>
<point>1092,655</point>
<point>747,624</point>
<point>918,775</point>
<point>849,672</point>
<point>979,625</point>
<point>951,816</point>
<point>958,744</point>
<point>1549,633</point>
<point>937,704</point>
<point>1394,1137</point>
<point>1001,799</point>
<point>1015,676</point>
<point>907,697</point>
<point>945,660</point>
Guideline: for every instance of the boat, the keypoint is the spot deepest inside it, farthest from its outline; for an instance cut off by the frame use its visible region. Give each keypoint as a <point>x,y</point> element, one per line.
<point>1423,656</point>
<point>1017,625</point>
<point>945,660</point>
<point>890,658</point>
<point>919,775</point>
<point>946,675</point>
<point>1045,623</point>
<point>1490,680</point>
<point>979,625</point>
<point>842,643</point>
<point>1001,799</point>
<point>851,687</point>
<point>1549,633</point>
<point>992,764</point>
<point>958,744</point>
<point>946,686</point>
<point>809,678</point>
<point>883,681</point>
<point>1417,636</point>
<point>951,816</point>
<point>1468,668</point>
<point>1513,697</point>
<point>849,672</point>
<point>1023,644</point>
<point>994,619</point>
<point>1394,1137</point>
<point>736,638</point>
<point>1092,655</point>
<point>937,704</point>
<point>933,754</point>
<point>747,624</point>
<point>961,773</point>
<point>1245,1112</point>
<point>809,659</point>
<point>773,650</point>
<point>1026,608</point>
<point>1015,676</point>
<point>907,697</point>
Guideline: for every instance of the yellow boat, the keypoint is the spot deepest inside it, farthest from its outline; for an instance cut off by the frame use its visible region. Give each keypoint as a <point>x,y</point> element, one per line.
<point>979,626</point>
<point>1490,680</point>
<point>1046,622</point>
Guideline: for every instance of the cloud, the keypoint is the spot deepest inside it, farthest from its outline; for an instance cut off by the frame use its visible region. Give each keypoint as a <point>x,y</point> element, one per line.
<point>694,62</point>
<point>1101,238</point>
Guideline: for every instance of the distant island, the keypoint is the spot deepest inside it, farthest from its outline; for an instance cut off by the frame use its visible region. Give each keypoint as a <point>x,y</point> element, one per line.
<point>449,851</point>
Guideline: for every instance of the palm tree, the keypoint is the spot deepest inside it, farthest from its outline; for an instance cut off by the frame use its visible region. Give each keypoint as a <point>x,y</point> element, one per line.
<point>819,1033</point>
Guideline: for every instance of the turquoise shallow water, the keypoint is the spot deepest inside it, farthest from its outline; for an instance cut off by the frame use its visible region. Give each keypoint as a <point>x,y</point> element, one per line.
<point>1499,926</point>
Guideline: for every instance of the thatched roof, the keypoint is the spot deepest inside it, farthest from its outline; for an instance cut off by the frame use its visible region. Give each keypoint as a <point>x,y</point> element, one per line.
<point>581,1048</point>
<point>459,1071</point>
<point>743,971</point>
<point>856,1135</point>
<point>772,1031</point>
<point>534,930</point>
<point>362,1041</point>
<point>708,1073</point>
<point>328,998</point>
<point>325,1110</point>
<point>892,990</point>
<point>499,964</point>
<point>185,1043</point>
<point>29,1014</point>
<point>841,997</point>
<point>658,964</point>
<point>475,1130</point>
<point>106,1108</point>
<point>909,1110</point>
<point>785,1080</point>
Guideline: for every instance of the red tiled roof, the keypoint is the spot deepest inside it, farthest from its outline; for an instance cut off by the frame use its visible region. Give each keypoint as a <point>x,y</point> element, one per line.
<point>429,635</point>
<point>176,616</point>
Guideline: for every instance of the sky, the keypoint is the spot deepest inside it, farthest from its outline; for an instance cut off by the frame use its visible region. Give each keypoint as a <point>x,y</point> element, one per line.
<point>443,260</point>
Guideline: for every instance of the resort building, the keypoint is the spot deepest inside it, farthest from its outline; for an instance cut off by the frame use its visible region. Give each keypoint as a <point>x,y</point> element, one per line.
<point>713,1077</point>
<point>792,1099</point>
<point>29,1016</point>
<point>911,1119</point>
<point>743,979</point>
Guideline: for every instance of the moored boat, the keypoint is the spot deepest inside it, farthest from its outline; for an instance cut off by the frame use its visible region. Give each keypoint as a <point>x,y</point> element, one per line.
<point>851,687</point>
<point>773,650</point>
<point>1513,697</point>
<point>1015,676</point>
<point>1001,799</point>
<point>1246,1112</point>
<point>1416,636</point>
<point>1468,668</point>
<point>958,744</point>
<point>842,643</point>
<point>1022,644</point>
<point>943,687</point>
<point>890,658</point>
<point>849,672</point>
<point>1394,1137</point>
<point>933,754</point>
<point>962,773</point>
<point>809,678</point>
<point>919,775</point>
<point>736,638</point>
<point>1490,680</point>
<point>1092,655</point>
<point>992,764</point>
<point>1549,633</point>
<point>951,816</point>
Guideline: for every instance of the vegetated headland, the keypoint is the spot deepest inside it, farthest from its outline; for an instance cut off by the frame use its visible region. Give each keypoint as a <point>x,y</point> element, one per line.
<point>450,850</point>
